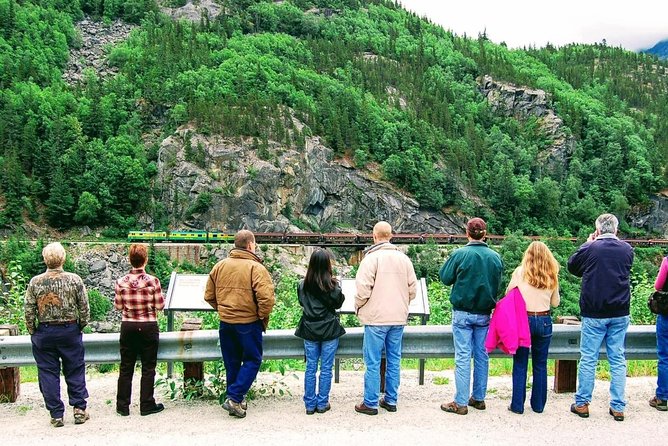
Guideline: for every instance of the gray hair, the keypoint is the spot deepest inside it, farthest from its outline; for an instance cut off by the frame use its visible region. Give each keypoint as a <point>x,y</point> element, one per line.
<point>607,224</point>
<point>54,255</point>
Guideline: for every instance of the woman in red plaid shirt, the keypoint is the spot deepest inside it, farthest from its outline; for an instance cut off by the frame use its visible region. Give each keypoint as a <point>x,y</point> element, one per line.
<point>138,296</point>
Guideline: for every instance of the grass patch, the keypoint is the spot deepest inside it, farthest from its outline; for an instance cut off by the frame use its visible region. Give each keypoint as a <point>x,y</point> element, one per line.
<point>440,380</point>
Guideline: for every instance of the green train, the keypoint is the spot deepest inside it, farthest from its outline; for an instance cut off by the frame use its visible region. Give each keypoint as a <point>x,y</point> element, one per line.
<point>180,236</point>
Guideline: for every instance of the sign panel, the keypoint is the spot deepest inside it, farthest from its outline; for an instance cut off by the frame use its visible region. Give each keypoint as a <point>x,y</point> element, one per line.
<point>418,307</point>
<point>186,292</point>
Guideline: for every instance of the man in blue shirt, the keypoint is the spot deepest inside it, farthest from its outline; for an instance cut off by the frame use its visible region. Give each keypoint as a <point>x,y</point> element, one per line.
<point>604,263</point>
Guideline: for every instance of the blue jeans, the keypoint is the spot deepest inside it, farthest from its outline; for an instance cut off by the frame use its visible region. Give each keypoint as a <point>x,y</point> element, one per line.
<point>324,352</point>
<point>594,332</point>
<point>541,334</point>
<point>662,354</point>
<point>52,344</point>
<point>241,346</point>
<point>377,337</point>
<point>469,331</point>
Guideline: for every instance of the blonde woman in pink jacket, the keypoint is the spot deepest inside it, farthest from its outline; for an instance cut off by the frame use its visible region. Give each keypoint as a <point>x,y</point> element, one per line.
<point>537,278</point>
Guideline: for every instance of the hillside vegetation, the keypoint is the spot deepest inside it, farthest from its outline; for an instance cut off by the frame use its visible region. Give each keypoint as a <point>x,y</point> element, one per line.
<point>377,83</point>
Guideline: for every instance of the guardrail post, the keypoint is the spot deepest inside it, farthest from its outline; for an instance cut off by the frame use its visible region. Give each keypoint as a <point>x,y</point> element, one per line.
<point>10,377</point>
<point>192,371</point>
<point>566,371</point>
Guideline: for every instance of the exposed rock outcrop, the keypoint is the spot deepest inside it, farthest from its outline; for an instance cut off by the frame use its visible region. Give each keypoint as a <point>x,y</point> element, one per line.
<point>91,53</point>
<point>509,100</point>
<point>288,190</point>
<point>654,217</point>
<point>194,10</point>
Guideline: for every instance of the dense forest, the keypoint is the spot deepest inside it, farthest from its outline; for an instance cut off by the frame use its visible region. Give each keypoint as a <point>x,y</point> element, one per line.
<point>379,84</point>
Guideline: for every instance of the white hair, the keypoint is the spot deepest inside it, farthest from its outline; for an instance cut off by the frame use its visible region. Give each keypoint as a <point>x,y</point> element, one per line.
<point>54,255</point>
<point>607,224</point>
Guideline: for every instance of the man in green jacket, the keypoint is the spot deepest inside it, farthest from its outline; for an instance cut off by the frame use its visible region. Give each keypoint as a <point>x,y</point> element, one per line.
<point>474,271</point>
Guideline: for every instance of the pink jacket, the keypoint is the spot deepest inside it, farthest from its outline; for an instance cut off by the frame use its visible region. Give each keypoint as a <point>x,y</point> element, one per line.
<point>509,327</point>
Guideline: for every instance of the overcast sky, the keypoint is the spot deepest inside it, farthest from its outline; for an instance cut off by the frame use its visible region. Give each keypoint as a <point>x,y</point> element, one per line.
<point>633,24</point>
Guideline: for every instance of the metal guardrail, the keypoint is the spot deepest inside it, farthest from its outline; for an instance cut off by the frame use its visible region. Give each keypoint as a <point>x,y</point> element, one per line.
<point>430,341</point>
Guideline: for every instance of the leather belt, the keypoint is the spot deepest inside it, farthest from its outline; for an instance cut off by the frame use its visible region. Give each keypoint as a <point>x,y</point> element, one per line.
<point>539,313</point>
<point>73,321</point>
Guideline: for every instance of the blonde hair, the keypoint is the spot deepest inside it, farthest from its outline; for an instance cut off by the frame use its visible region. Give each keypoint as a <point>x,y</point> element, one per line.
<point>539,266</point>
<point>54,255</point>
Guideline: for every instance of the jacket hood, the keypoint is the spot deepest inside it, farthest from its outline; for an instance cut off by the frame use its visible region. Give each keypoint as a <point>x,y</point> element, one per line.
<point>379,246</point>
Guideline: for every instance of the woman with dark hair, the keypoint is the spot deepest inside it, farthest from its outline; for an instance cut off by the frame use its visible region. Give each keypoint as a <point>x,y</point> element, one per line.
<point>138,297</point>
<point>320,296</point>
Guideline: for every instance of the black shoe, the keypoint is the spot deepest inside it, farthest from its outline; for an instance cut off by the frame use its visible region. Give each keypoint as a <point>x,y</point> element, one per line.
<point>387,406</point>
<point>310,411</point>
<point>123,412</point>
<point>514,411</point>
<point>158,408</point>
<point>323,409</point>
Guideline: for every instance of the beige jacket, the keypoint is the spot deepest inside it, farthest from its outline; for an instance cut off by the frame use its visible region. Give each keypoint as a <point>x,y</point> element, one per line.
<point>240,288</point>
<point>386,283</point>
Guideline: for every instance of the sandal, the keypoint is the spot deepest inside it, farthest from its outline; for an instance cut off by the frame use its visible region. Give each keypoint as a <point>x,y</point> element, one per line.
<point>454,408</point>
<point>80,416</point>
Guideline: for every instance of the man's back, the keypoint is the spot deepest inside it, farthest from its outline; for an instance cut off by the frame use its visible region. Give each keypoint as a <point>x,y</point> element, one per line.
<point>475,273</point>
<point>386,283</point>
<point>605,266</point>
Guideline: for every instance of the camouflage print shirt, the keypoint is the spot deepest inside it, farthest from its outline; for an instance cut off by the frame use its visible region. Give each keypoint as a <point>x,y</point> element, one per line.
<point>56,296</point>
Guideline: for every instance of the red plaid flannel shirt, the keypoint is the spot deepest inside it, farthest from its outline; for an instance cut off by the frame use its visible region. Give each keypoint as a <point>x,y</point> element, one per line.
<point>138,296</point>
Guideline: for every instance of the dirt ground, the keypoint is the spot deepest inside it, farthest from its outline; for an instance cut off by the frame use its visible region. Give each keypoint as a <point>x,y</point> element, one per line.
<point>282,420</point>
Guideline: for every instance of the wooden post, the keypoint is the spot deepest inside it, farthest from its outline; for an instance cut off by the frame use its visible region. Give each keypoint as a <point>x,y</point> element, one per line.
<point>192,371</point>
<point>10,377</point>
<point>566,371</point>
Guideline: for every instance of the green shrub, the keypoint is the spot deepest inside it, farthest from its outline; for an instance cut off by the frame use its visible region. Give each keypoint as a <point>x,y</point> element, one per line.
<point>99,305</point>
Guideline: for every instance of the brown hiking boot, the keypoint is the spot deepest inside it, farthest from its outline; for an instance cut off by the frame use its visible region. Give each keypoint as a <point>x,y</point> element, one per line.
<point>363,408</point>
<point>480,405</point>
<point>80,416</point>
<point>57,422</point>
<point>234,408</point>
<point>454,408</point>
<point>581,411</point>
<point>618,416</point>
<point>658,404</point>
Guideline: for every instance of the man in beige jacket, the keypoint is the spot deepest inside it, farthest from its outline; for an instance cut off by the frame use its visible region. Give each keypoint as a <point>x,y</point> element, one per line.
<point>240,288</point>
<point>386,283</point>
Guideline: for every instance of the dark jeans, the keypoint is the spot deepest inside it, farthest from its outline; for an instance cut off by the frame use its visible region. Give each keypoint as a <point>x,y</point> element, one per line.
<point>541,334</point>
<point>137,339</point>
<point>50,345</point>
<point>241,346</point>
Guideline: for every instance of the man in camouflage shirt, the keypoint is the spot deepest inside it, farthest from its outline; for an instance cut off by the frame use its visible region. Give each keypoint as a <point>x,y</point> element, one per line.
<point>56,310</point>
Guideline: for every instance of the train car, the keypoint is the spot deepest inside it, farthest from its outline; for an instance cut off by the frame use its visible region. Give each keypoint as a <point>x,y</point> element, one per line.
<point>188,236</point>
<point>406,239</point>
<point>268,237</point>
<point>365,239</point>
<point>339,238</point>
<point>303,238</point>
<point>147,236</point>
<point>219,237</point>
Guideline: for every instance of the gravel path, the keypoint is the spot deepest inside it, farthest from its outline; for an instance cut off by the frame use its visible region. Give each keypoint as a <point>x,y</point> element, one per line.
<point>281,420</point>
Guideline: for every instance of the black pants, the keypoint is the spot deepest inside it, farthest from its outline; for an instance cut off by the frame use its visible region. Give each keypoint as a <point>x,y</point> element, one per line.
<point>137,339</point>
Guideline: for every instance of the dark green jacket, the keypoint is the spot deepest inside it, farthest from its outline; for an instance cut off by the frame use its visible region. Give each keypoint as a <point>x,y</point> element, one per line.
<point>474,271</point>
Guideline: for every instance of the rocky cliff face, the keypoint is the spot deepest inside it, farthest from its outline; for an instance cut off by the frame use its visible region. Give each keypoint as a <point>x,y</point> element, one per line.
<point>523,103</point>
<point>194,10</point>
<point>288,190</point>
<point>654,216</point>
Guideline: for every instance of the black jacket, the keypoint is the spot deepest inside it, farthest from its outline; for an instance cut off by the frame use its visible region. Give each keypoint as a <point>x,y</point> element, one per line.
<point>605,267</point>
<point>319,321</point>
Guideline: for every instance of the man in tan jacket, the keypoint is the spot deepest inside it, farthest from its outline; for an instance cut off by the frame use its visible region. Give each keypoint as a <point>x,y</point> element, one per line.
<point>240,288</point>
<point>386,283</point>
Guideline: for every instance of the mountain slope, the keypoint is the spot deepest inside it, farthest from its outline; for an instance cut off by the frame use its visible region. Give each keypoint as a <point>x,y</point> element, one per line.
<point>379,86</point>
<point>660,50</point>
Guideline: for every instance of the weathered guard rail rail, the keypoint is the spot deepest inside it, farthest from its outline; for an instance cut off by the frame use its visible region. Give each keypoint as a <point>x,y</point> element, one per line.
<point>430,341</point>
